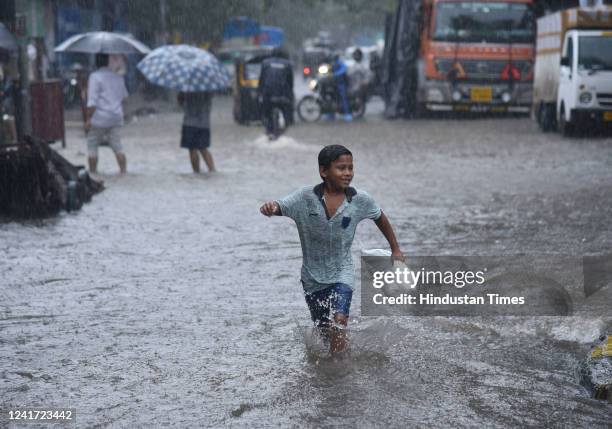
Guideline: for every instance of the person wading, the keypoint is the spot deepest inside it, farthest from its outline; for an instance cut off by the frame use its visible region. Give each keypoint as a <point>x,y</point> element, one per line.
<point>105,94</point>
<point>195,134</point>
<point>326,217</point>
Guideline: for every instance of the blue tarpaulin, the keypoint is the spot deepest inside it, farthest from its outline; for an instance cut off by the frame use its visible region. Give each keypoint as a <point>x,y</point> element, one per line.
<point>270,36</point>
<point>241,27</point>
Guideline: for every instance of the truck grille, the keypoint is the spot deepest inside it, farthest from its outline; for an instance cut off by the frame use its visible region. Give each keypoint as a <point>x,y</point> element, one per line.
<point>482,69</point>
<point>604,99</point>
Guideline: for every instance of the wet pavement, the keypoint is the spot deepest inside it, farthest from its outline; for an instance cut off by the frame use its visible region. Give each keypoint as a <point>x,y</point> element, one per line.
<point>170,301</point>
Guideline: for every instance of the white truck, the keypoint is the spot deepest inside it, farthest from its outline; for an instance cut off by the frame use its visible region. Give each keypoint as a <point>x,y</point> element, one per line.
<point>573,70</point>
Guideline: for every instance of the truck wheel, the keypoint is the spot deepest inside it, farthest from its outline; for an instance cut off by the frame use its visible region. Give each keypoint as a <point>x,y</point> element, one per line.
<point>565,127</point>
<point>546,118</point>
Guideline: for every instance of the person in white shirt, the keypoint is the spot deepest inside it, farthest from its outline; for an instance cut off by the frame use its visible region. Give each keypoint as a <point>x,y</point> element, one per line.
<point>105,94</point>
<point>359,74</point>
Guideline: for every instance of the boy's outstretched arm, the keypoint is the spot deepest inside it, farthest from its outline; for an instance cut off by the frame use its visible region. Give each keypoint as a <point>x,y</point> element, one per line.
<point>385,227</point>
<point>270,208</point>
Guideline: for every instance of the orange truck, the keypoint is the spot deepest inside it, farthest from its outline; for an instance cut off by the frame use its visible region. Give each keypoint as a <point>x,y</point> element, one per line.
<point>471,56</point>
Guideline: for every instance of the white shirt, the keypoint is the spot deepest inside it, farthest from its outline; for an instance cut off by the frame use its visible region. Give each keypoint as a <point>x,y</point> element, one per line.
<point>106,91</point>
<point>359,74</point>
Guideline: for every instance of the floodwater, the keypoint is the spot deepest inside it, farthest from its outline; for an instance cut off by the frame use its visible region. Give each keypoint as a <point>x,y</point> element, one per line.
<point>170,301</point>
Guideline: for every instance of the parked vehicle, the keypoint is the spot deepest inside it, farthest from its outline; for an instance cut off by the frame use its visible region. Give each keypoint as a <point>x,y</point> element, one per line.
<point>573,73</point>
<point>8,133</point>
<point>312,58</point>
<point>70,89</point>
<point>247,68</point>
<point>326,99</point>
<point>73,81</point>
<point>243,37</point>
<point>468,56</point>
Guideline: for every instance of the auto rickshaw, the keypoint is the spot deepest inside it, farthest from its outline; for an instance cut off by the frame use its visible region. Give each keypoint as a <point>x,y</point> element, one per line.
<point>246,81</point>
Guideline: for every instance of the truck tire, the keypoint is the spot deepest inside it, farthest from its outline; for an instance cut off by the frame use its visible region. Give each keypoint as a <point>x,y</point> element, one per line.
<point>565,127</point>
<point>546,117</point>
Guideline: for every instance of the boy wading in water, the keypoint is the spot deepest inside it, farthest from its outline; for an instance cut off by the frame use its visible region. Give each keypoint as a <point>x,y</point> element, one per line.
<point>326,216</point>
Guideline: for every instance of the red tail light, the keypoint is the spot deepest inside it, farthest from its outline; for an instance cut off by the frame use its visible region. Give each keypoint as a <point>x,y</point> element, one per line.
<point>510,72</point>
<point>306,70</point>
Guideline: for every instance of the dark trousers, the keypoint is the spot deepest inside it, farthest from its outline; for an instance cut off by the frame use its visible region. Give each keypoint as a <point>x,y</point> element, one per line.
<point>266,113</point>
<point>343,96</point>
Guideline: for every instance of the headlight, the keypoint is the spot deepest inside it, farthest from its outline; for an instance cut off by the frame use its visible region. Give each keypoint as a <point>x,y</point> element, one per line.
<point>312,84</point>
<point>456,96</point>
<point>506,97</point>
<point>586,97</point>
<point>73,81</point>
<point>323,69</point>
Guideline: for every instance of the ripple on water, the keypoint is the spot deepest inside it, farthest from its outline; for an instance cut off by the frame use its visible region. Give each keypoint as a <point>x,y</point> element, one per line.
<point>282,143</point>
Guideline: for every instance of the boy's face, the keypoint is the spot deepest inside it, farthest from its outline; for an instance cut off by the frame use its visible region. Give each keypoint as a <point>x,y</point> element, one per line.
<point>340,173</point>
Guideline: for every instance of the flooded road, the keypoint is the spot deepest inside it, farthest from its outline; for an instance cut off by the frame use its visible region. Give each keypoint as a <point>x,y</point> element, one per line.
<point>170,301</point>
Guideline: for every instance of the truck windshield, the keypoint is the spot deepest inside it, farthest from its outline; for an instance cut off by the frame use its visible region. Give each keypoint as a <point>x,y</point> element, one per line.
<point>595,53</point>
<point>484,22</point>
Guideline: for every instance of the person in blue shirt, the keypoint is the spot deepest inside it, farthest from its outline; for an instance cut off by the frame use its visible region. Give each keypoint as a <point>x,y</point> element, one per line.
<point>339,71</point>
<point>326,217</point>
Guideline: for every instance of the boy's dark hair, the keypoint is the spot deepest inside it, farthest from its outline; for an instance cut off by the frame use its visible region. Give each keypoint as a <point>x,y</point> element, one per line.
<point>331,153</point>
<point>101,60</point>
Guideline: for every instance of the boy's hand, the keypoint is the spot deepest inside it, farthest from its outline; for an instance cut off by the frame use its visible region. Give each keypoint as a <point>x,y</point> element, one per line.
<point>397,255</point>
<point>270,208</point>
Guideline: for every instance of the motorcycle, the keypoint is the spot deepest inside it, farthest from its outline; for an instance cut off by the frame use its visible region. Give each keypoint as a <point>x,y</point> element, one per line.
<point>70,85</point>
<point>8,132</point>
<point>279,122</point>
<point>327,100</point>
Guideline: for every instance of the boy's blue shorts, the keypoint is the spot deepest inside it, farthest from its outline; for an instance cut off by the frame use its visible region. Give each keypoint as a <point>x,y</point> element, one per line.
<point>325,303</point>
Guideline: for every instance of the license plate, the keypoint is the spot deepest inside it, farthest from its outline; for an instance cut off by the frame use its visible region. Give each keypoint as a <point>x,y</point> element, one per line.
<point>483,94</point>
<point>607,116</point>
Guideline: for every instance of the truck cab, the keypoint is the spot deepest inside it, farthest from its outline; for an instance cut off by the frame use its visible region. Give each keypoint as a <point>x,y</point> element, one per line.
<point>477,56</point>
<point>585,81</point>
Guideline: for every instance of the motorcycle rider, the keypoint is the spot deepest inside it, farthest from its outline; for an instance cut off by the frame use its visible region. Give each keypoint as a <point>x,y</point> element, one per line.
<point>359,75</point>
<point>276,88</point>
<point>339,71</point>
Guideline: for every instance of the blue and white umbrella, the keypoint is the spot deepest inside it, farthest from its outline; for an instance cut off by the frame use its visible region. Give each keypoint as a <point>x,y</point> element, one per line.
<point>184,68</point>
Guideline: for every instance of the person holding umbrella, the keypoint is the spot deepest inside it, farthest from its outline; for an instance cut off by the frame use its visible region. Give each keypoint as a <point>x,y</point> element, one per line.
<point>196,74</point>
<point>195,133</point>
<point>105,94</point>
<point>105,90</point>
